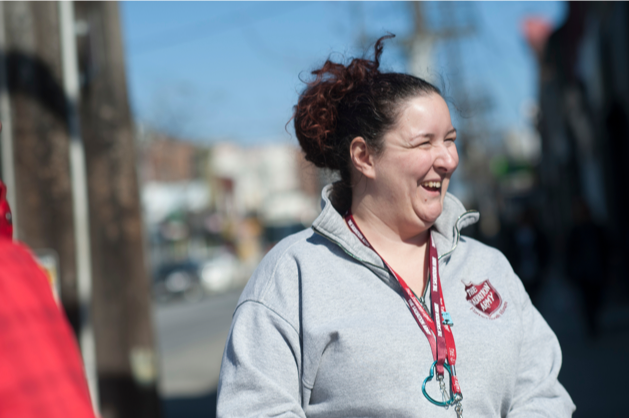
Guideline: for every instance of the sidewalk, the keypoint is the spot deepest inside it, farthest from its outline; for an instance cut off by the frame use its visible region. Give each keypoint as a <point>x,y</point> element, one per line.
<point>594,369</point>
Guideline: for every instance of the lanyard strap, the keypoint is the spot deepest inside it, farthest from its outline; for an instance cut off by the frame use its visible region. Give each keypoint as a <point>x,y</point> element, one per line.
<point>445,345</point>
<point>439,335</point>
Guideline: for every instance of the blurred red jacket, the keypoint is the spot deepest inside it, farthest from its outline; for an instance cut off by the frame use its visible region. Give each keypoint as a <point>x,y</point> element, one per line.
<point>41,373</point>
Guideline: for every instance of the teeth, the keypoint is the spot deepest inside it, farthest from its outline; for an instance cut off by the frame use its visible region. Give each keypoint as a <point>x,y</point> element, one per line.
<point>432,184</point>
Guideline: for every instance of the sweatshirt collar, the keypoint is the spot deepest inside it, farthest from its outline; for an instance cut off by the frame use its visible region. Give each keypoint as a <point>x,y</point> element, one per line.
<point>331,225</point>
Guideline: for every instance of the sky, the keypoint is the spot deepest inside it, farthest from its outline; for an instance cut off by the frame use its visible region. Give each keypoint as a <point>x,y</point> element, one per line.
<point>215,71</point>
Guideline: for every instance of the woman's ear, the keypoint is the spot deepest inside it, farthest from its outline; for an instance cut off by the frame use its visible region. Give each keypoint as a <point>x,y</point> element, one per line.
<point>362,158</point>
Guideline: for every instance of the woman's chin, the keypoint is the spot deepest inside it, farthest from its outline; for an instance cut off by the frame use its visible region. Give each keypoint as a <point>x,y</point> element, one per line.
<point>429,217</point>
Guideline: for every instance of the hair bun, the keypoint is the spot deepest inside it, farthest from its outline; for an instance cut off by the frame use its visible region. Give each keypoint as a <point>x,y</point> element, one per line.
<point>317,111</point>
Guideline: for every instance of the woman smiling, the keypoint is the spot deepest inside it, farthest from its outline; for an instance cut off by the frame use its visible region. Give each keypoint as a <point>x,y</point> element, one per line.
<point>381,308</point>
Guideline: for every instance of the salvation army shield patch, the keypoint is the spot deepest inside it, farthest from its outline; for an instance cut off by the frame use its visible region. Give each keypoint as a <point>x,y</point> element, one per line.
<point>485,299</point>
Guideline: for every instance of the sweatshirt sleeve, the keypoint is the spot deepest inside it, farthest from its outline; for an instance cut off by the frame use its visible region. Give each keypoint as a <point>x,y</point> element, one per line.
<point>538,393</point>
<point>260,373</point>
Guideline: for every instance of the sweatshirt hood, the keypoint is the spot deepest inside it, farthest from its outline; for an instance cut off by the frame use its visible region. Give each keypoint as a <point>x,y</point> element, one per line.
<point>331,225</point>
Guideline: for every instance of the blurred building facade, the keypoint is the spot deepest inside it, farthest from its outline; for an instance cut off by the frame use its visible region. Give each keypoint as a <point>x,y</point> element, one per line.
<point>584,103</point>
<point>203,203</point>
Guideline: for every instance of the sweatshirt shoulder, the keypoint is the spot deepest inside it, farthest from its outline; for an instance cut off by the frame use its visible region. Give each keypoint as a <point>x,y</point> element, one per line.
<point>482,253</point>
<point>475,262</point>
<point>275,282</point>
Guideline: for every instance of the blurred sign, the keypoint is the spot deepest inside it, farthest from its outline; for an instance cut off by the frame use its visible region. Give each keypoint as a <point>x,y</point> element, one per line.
<point>48,260</point>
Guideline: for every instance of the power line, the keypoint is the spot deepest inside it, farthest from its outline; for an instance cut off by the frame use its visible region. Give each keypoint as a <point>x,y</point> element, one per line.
<point>190,33</point>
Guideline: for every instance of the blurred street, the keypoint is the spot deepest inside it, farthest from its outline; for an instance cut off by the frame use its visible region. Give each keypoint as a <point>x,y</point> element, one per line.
<point>191,338</point>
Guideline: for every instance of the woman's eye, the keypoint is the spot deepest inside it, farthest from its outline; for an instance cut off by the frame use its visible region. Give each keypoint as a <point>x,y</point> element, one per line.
<point>418,144</point>
<point>451,139</point>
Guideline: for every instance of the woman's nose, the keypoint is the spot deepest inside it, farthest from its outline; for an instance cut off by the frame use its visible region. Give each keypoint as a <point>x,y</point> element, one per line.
<point>447,158</point>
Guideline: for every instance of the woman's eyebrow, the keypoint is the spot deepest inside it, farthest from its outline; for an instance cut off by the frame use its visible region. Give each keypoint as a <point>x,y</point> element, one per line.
<point>431,135</point>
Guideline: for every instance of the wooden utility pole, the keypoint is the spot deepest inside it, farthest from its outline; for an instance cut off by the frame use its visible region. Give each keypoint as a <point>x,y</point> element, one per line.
<point>126,359</point>
<point>421,45</point>
<point>43,203</point>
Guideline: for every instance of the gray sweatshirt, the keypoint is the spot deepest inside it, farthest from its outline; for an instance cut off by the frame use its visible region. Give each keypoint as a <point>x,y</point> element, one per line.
<point>322,330</point>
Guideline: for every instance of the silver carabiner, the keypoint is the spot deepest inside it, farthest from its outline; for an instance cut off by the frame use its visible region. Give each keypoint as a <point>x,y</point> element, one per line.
<point>445,396</point>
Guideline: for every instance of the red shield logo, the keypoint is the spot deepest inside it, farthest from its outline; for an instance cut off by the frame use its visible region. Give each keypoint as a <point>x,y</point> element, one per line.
<point>484,298</point>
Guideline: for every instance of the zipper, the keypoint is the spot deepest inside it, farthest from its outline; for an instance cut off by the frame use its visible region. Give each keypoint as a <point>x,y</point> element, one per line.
<point>457,232</point>
<point>422,299</point>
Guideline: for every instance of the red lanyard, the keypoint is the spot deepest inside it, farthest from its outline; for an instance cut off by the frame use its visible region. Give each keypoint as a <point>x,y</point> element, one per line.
<point>439,335</point>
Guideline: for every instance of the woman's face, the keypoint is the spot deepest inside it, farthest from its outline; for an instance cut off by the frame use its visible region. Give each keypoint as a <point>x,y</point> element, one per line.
<point>412,174</point>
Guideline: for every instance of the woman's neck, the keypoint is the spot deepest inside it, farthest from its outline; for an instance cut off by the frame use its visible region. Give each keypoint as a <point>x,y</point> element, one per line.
<point>394,242</point>
<point>402,245</point>
<point>406,254</point>
<point>381,226</point>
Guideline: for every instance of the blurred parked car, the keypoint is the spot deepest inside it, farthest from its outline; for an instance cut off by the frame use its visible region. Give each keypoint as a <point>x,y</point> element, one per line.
<point>178,281</point>
<point>220,273</point>
<point>190,280</point>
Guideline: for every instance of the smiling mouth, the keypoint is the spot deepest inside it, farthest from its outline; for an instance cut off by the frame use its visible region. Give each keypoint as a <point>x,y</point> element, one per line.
<point>433,186</point>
